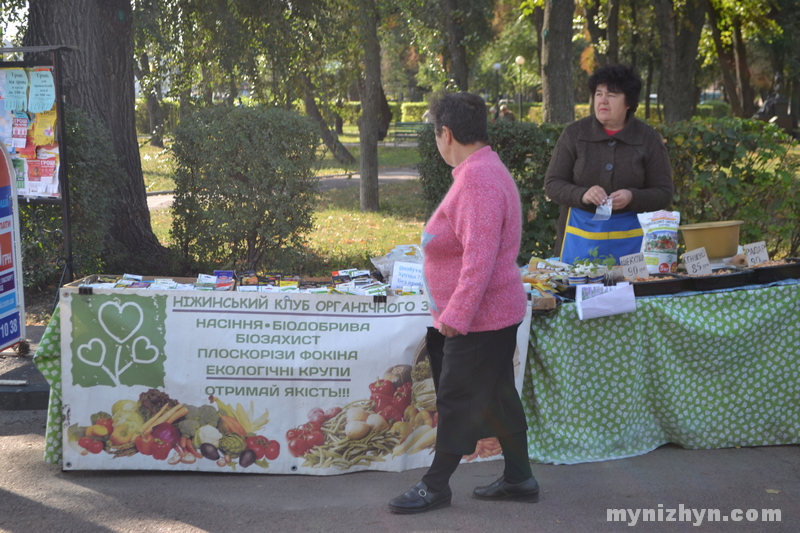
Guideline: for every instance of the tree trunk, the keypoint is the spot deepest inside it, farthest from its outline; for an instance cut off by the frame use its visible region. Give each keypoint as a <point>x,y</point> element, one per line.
<point>155,114</point>
<point>98,78</point>
<point>338,150</point>
<point>610,34</point>
<point>648,87</point>
<point>557,80</point>
<point>459,71</point>
<point>744,89</point>
<point>634,37</point>
<point>208,87</point>
<point>612,31</point>
<point>538,23</point>
<point>590,11</point>
<point>185,103</point>
<point>727,63</point>
<point>386,116</point>
<point>368,122</point>
<point>680,36</point>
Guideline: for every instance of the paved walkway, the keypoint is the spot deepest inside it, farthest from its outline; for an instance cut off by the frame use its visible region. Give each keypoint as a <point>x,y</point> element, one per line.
<point>162,200</point>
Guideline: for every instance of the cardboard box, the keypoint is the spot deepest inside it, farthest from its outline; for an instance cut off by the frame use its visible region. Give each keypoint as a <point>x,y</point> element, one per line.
<point>542,300</point>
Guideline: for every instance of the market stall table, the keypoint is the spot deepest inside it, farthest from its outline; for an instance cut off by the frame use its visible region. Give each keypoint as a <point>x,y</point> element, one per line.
<point>204,373</point>
<point>701,370</point>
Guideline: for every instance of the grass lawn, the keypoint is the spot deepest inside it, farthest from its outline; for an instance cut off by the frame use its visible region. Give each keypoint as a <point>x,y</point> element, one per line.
<point>343,236</point>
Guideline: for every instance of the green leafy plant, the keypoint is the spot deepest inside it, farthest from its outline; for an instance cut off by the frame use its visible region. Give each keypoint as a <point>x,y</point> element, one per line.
<point>734,169</point>
<point>594,264</point>
<point>244,187</point>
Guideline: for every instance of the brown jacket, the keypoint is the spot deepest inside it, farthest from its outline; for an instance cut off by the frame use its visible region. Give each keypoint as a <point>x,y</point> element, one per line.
<point>634,158</point>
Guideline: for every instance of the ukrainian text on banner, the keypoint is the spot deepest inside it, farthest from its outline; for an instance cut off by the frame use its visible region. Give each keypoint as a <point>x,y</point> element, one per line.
<point>252,383</point>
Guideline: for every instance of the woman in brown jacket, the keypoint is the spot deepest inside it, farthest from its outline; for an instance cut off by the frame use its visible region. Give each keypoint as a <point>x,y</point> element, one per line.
<point>607,155</point>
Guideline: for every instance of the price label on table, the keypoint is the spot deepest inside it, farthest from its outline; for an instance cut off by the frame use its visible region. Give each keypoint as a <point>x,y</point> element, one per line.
<point>633,266</point>
<point>696,262</point>
<point>756,253</point>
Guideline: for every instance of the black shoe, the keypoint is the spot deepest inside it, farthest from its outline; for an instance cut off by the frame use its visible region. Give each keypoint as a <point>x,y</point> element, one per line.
<point>527,491</point>
<point>419,499</point>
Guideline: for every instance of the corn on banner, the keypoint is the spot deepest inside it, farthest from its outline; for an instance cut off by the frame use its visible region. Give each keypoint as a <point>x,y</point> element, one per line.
<point>249,382</point>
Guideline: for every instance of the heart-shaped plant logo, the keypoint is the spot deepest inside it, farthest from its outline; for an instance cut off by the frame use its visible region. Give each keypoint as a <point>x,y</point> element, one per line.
<point>141,350</point>
<point>121,322</point>
<point>92,353</point>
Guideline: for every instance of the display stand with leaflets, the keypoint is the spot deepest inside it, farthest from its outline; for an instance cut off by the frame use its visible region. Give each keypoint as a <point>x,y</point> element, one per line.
<point>33,134</point>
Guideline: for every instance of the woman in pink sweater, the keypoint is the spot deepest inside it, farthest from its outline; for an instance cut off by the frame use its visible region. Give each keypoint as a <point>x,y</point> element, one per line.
<point>470,246</point>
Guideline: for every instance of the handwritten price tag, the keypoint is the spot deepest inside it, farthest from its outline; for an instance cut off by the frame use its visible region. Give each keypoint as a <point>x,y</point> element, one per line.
<point>756,253</point>
<point>696,262</point>
<point>633,266</point>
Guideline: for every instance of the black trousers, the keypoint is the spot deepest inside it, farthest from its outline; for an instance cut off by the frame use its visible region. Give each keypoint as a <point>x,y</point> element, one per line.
<point>475,394</point>
<point>476,398</point>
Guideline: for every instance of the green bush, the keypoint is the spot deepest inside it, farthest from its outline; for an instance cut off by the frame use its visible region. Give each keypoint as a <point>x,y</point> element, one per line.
<point>714,109</point>
<point>244,187</point>
<point>735,169</point>
<point>349,111</point>
<point>726,169</point>
<point>171,110</point>
<point>412,111</point>
<point>92,170</point>
<point>533,112</point>
<point>397,111</point>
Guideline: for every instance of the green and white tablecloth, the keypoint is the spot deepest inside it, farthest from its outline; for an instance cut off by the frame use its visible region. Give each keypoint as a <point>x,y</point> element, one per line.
<point>709,370</point>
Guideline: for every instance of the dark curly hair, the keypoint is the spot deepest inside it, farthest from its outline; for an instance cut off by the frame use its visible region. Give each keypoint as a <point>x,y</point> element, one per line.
<point>620,79</point>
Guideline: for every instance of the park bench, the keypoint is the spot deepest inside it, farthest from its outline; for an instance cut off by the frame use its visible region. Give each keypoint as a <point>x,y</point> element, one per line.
<point>406,131</point>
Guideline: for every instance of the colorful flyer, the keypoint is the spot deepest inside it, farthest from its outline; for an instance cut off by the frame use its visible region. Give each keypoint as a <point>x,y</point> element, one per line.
<point>20,130</point>
<point>44,128</point>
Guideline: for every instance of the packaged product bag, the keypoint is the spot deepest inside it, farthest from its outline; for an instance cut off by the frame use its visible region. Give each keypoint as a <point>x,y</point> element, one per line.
<point>660,242</point>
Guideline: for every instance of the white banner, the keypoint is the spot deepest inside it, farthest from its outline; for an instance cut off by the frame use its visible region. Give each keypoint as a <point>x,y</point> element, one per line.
<point>249,382</point>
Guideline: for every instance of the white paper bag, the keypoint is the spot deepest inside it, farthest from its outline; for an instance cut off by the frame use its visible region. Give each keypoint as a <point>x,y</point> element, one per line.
<point>594,300</point>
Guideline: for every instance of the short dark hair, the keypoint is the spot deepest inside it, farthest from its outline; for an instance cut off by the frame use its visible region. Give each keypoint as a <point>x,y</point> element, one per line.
<point>464,113</point>
<point>620,79</point>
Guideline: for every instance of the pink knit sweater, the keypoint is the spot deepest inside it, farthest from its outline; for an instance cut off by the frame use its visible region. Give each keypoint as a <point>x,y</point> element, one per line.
<point>470,247</point>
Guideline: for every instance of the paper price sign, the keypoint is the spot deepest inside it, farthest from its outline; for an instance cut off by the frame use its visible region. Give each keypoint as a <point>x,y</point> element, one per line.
<point>756,253</point>
<point>696,262</point>
<point>633,266</point>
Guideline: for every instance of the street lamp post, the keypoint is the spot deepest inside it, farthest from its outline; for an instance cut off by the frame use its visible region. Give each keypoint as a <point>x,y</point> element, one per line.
<point>520,61</point>
<point>496,68</point>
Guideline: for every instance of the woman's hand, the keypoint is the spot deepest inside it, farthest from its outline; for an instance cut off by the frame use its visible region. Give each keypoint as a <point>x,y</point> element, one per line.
<point>621,199</point>
<point>596,195</point>
<point>447,331</point>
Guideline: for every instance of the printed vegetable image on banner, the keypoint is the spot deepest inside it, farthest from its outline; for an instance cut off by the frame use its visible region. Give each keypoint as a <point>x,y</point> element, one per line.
<point>249,382</point>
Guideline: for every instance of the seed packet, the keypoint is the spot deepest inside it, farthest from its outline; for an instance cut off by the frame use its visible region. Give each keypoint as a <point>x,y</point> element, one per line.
<point>660,242</point>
